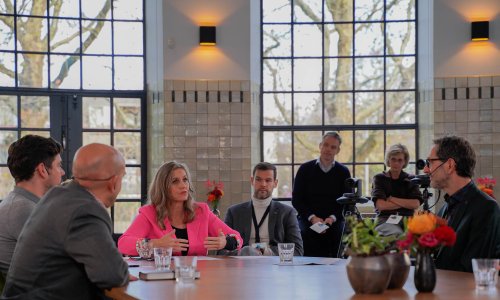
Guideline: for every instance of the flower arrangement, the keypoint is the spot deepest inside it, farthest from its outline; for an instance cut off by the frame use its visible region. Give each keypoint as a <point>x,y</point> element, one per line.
<point>215,193</point>
<point>426,231</point>
<point>486,184</point>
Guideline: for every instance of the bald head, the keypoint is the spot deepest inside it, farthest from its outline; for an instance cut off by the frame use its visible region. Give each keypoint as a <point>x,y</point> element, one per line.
<point>97,161</point>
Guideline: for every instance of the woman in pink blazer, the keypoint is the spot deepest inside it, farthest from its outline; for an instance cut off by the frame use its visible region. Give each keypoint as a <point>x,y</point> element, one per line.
<point>174,219</point>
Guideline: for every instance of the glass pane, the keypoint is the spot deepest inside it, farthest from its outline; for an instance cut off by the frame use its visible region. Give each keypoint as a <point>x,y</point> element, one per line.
<point>6,7</point>
<point>276,11</point>
<point>127,9</point>
<point>306,145</point>
<point>277,146</point>
<point>400,38</point>
<point>369,108</point>
<point>35,112</point>
<point>405,137</point>
<point>366,173</point>
<point>36,132</point>
<point>277,109</point>
<point>6,182</point>
<point>338,39</point>
<point>127,113</point>
<point>369,146</point>
<point>401,10</point>
<point>65,71</point>
<point>369,73</point>
<point>69,8</point>
<point>400,108</point>
<point>26,7</point>
<point>369,10</point>
<point>307,11</point>
<point>32,70</point>
<point>96,72</point>
<point>338,11</point>
<point>369,39</point>
<point>7,78</point>
<point>131,184</point>
<point>346,148</point>
<point>96,137</point>
<point>6,34</point>
<point>307,74</point>
<point>338,109</point>
<point>307,40</point>
<point>284,189</point>
<point>8,111</point>
<point>277,75</point>
<point>96,37</point>
<point>276,41</point>
<point>6,138</point>
<point>96,113</point>
<point>96,9</point>
<point>129,73</point>
<point>67,36</point>
<point>338,74</point>
<point>307,109</point>
<point>124,33</point>
<point>124,214</point>
<point>28,39</point>
<point>400,73</point>
<point>129,144</point>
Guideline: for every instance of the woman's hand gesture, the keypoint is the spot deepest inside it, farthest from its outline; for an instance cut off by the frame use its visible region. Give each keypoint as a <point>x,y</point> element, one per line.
<point>215,243</point>
<point>169,240</point>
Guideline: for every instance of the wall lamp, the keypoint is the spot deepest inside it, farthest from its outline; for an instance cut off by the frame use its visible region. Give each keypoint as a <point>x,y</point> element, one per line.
<point>480,31</point>
<point>207,36</point>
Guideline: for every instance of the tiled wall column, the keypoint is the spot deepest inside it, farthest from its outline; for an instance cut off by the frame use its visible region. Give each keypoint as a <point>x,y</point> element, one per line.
<point>470,107</point>
<point>208,125</point>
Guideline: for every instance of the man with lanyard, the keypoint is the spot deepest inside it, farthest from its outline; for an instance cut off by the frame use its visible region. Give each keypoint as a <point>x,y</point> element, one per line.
<point>264,223</point>
<point>473,215</point>
<point>318,184</point>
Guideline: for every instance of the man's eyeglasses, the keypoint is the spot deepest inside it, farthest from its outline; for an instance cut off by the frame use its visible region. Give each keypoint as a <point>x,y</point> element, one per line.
<point>429,160</point>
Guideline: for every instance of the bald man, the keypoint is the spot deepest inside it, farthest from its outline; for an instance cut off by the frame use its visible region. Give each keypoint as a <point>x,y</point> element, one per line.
<point>66,250</point>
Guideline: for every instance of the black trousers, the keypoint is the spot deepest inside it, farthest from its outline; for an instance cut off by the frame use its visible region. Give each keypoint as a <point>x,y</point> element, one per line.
<point>321,244</point>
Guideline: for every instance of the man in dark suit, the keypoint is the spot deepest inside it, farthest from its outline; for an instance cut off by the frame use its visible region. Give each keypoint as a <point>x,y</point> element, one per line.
<point>262,221</point>
<point>473,215</point>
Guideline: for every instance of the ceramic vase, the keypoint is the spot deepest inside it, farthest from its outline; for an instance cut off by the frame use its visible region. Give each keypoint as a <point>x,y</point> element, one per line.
<point>425,271</point>
<point>400,268</point>
<point>368,275</point>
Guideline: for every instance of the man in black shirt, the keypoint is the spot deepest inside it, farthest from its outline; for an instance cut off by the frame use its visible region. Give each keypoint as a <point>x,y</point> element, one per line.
<point>474,215</point>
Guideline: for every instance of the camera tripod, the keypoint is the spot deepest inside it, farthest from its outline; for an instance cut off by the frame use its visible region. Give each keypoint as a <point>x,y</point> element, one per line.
<point>347,210</point>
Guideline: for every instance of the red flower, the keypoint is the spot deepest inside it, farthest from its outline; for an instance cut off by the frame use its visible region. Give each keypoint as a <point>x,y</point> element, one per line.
<point>445,235</point>
<point>405,244</point>
<point>428,240</point>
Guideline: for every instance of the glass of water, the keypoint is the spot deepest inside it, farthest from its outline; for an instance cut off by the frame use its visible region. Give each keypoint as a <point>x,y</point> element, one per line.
<point>285,251</point>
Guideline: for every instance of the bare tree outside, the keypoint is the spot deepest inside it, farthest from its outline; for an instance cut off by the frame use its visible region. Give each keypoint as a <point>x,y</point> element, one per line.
<point>332,65</point>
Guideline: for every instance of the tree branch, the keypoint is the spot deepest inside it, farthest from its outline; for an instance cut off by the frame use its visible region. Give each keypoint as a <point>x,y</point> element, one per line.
<point>7,71</point>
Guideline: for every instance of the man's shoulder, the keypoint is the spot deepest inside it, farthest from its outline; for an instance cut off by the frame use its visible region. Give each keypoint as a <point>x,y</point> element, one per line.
<point>239,206</point>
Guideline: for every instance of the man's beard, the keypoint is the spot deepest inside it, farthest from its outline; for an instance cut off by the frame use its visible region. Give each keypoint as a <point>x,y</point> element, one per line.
<point>261,195</point>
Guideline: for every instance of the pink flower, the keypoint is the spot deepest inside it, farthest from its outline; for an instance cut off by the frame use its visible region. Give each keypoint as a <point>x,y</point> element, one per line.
<point>428,240</point>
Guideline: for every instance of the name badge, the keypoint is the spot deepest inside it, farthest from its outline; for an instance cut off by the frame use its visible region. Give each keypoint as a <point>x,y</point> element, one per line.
<point>394,219</point>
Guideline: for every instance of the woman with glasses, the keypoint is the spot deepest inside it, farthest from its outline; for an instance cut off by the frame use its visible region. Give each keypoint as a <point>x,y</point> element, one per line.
<point>174,219</point>
<point>393,194</point>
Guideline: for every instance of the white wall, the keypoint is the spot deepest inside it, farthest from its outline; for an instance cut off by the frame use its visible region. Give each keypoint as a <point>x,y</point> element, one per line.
<point>454,53</point>
<point>185,59</point>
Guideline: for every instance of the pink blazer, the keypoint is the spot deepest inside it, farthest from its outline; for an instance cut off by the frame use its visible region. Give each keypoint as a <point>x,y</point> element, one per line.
<point>204,224</point>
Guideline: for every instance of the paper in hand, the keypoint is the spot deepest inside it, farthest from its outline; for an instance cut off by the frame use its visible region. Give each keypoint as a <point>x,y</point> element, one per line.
<point>319,227</point>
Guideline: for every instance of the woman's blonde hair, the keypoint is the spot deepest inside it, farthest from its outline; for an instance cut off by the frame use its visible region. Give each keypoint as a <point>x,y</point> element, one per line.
<point>160,197</point>
<point>395,150</point>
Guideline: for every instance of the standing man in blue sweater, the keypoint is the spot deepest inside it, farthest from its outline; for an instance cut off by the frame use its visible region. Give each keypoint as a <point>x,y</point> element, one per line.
<point>318,184</point>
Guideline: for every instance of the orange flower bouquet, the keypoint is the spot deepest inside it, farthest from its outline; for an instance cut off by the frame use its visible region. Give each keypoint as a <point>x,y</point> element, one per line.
<point>215,193</point>
<point>486,184</point>
<point>426,231</point>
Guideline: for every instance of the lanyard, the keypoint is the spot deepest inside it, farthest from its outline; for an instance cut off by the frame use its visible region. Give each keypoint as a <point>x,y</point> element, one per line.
<point>257,226</point>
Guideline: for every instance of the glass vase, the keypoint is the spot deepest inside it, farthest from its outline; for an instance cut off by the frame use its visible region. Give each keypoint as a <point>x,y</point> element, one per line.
<point>216,211</point>
<point>425,271</point>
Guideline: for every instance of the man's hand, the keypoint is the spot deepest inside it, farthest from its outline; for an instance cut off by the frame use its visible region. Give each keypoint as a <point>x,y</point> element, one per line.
<point>329,221</point>
<point>315,220</point>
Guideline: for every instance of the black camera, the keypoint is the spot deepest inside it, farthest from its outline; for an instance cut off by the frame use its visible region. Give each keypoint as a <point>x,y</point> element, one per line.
<point>422,180</point>
<point>356,187</point>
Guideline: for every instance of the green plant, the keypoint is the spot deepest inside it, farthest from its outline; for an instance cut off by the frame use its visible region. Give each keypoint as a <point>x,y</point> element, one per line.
<point>364,240</point>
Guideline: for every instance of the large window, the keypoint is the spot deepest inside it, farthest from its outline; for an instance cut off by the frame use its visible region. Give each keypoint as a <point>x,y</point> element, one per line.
<point>342,65</point>
<point>74,70</point>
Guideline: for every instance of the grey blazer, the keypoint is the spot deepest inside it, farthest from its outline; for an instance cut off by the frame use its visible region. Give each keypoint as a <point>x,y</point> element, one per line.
<point>283,225</point>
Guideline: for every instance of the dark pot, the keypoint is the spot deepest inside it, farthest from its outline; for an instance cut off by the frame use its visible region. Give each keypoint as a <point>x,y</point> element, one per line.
<point>368,275</point>
<point>400,268</point>
<point>425,272</point>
